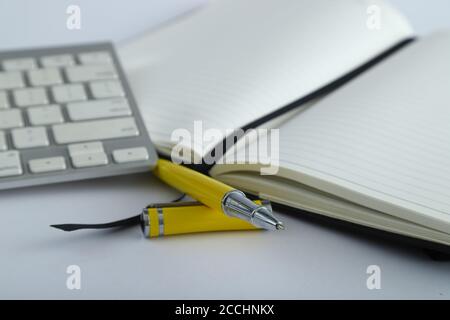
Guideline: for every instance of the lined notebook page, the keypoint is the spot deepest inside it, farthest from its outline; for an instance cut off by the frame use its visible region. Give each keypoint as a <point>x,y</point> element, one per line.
<point>384,139</point>
<point>237,60</point>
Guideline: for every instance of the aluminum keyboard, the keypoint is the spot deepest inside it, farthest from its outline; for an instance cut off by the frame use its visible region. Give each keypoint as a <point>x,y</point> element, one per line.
<point>68,114</point>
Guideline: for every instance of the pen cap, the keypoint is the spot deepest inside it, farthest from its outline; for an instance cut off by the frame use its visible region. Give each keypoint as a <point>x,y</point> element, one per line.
<point>190,217</point>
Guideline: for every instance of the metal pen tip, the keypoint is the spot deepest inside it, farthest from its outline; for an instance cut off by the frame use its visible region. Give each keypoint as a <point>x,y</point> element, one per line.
<point>280,226</point>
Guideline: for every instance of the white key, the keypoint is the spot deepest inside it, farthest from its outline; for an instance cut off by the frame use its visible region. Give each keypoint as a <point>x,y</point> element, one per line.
<point>11,80</point>
<point>85,148</point>
<point>91,73</point>
<point>30,97</point>
<point>106,89</point>
<point>19,64</point>
<point>29,137</point>
<point>95,130</point>
<point>130,155</point>
<point>98,57</point>
<point>45,77</point>
<point>47,164</point>
<point>11,118</point>
<point>10,164</point>
<point>97,109</point>
<point>45,115</point>
<point>4,103</point>
<point>69,93</point>
<point>90,160</point>
<point>3,143</point>
<point>62,60</point>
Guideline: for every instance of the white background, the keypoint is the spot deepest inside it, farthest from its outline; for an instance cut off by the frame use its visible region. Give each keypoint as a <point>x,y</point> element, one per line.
<point>29,23</point>
<point>308,260</point>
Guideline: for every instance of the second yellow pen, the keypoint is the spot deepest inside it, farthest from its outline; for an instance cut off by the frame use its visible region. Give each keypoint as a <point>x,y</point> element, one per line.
<point>189,217</point>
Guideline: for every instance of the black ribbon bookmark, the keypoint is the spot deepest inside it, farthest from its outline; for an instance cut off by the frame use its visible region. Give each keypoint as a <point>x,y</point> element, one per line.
<point>132,221</point>
<point>115,224</point>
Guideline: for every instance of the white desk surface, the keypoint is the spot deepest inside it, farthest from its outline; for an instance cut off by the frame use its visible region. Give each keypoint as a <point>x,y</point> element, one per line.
<point>308,260</point>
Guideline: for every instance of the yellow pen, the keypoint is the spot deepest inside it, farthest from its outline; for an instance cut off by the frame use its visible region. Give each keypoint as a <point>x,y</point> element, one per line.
<point>216,195</point>
<point>165,219</point>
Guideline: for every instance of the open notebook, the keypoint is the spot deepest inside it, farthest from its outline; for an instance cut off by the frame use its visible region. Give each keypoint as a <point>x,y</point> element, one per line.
<point>375,151</point>
<point>234,61</point>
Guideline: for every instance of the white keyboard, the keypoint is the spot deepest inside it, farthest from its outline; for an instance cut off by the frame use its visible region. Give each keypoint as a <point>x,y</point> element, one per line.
<point>68,114</point>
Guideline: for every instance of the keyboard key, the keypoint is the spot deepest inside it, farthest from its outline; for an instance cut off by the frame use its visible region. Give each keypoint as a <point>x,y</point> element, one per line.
<point>95,130</point>
<point>4,103</point>
<point>10,164</point>
<point>11,118</point>
<point>90,160</point>
<point>19,64</point>
<point>30,97</point>
<point>3,143</point>
<point>11,80</point>
<point>85,148</point>
<point>68,93</point>
<point>47,165</point>
<point>91,73</point>
<point>45,77</point>
<point>62,60</point>
<point>98,57</point>
<point>29,137</point>
<point>130,155</point>
<point>97,109</point>
<point>106,89</point>
<point>45,115</point>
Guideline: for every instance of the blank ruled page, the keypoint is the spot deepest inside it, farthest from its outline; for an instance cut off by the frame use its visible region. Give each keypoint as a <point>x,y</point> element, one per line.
<point>383,140</point>
<point>238,60</point>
